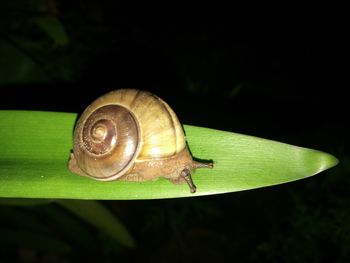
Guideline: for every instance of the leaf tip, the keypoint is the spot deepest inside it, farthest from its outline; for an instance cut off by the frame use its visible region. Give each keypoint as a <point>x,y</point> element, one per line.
<point>332,161</point>
<point>328,161</point>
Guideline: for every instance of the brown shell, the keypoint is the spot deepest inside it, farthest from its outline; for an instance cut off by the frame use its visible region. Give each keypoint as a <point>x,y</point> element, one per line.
<point>121,128</point>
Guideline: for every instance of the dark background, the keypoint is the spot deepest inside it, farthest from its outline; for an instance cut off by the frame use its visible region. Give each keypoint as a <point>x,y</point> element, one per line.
<point>279,76</point>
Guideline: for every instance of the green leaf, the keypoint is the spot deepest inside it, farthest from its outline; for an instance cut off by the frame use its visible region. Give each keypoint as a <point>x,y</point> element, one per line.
<point>97,215</point>
<point>53,28</point>
<point>17,66</point>
<point>35,148</point>
<point>92,212</point>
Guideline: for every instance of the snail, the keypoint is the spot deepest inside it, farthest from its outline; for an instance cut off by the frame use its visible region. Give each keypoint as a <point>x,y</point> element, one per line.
<point>131,135</point>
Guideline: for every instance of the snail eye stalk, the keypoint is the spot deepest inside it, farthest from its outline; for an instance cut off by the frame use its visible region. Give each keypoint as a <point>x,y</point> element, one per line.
<point>186,175</point>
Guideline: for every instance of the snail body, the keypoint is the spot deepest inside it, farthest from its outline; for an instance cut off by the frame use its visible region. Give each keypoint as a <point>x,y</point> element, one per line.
<point>131,135</point>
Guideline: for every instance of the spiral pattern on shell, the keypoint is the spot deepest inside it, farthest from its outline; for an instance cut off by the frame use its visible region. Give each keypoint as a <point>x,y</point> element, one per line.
<point>107,142</point>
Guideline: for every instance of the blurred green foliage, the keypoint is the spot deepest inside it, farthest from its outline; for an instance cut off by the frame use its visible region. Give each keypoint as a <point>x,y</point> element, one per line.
<point>52,41</point>
<point>34,44</point>
<point>37,232</point>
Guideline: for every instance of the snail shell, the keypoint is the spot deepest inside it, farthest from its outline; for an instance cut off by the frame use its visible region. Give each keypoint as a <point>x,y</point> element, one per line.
<point>131,135</point>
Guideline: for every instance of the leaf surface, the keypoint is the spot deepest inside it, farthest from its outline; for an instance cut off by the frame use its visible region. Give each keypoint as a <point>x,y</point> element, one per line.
<point>35,148</point>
